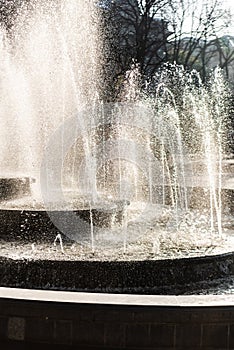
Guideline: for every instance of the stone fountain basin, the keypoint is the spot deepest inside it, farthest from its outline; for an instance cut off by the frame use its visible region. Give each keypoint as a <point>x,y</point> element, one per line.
<point>27,222</point>
<point>31,259</point>
<point>31,223</point>
<point>170,276</point>
<point>26,218</point>
<point>22,213</point>
<point>87,271</point>
<point>14,187</point>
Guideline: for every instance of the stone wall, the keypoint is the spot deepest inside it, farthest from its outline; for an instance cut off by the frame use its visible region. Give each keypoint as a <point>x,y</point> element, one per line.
<point>133,277</point>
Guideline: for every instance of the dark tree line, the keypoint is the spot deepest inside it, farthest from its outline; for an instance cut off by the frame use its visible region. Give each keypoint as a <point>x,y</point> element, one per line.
<point>152,32</point>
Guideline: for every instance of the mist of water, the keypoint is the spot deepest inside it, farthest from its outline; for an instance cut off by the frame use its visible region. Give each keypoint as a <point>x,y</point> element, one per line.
<point>49,72</point>
<point>144,148</point>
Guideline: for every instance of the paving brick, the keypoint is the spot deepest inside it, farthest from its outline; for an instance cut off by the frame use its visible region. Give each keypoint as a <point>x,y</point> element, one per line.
<point>231,337</point>
<point>214,315</point>
<point>88,333</point>
<point>41,330</point>
<point>114,335</point>
<point>63,332</point>
<point>162,336</point>
<point>137,335</point>
<point>16,328</point>
<point>215,336</point>
<point>110,315</point>
<point>3,328</point>
<point>188,336</point>
<point>158,315</point>
<point>37,309</point>
<point>84,314</point>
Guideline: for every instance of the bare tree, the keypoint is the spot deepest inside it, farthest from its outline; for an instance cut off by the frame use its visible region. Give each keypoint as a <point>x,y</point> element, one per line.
<point>224,54</point>
<point>138,33</point>
<point>195,25</point>
<point>152,32</point>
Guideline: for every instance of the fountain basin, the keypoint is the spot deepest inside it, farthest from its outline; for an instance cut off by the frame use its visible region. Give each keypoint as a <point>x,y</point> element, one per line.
<point>28,223</point>
<point>14,187</point>
<point>31,224</point>
<point>168,276</point>
<point>32,219</point>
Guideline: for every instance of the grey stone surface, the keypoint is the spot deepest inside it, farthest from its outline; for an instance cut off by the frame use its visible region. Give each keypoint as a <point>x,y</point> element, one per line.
<point>16,328</point>
<point>117,299</point>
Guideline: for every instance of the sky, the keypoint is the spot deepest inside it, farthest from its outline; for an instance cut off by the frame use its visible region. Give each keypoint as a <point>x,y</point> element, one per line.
<point>229,4</point>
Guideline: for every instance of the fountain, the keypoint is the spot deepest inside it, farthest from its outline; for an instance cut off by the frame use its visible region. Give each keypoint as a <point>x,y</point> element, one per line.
<point>140,179</point>
<point>133,196</point>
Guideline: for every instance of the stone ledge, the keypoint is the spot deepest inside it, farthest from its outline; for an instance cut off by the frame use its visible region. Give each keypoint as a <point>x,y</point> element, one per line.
<point>117,299</point>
